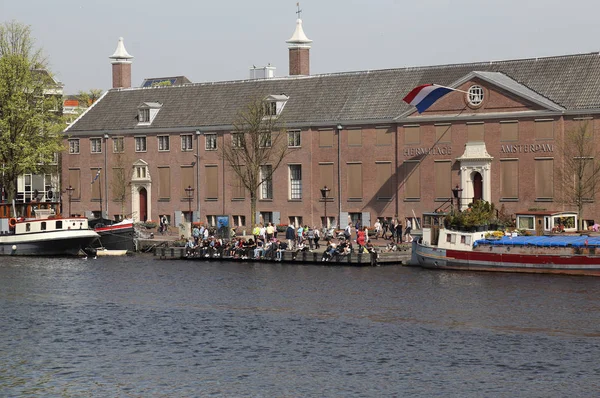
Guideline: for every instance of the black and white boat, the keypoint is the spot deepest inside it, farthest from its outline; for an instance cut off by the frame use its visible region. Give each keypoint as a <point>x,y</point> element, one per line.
<point>38,229</point>
<point>115,235</point>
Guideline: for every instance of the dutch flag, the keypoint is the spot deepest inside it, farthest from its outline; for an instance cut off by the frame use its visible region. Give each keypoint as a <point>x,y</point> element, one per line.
<point>424,96</point>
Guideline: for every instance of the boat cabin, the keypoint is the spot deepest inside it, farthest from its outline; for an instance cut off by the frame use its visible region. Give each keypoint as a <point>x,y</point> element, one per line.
<point>35,217</point>
<point>434,234</point>
<point>547,222</point>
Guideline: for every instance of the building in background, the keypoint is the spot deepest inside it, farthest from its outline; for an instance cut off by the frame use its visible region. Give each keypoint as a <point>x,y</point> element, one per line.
<point>496,140</point>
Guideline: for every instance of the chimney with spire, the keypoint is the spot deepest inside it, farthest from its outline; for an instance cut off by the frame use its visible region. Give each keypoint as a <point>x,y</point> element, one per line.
<point>121,66</point>
<point>299,49</point>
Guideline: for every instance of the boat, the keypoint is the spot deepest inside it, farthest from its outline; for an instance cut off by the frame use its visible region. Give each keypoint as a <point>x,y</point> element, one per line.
<point>115,235</point>
<point>445,248</point>
<point>38,229</point>
<point>110,253</point>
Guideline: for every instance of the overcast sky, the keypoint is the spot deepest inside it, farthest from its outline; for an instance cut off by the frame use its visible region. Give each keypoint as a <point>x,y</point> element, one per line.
<point>221,40</point>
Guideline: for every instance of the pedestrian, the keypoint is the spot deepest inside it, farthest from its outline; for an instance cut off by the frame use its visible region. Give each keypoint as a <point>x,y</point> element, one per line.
<point>407,235</point>
<point>348,232</point>
<point>300,236</point>
<point>270,231</point>
<point>290,236</point>
<point>385,228</point>
<point>310,235</point>
<point>377,228</point>
<point>317,237</point>
<point>399,231</point>
<point>360,239</point>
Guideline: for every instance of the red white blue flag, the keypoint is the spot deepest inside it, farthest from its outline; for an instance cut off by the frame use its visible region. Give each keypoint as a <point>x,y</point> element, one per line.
<point>424,96</point>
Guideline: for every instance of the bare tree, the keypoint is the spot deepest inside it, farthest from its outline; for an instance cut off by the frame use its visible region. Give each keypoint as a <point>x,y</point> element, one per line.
<point>580,170</point>
<point>121,176</point>
<point>257,148</point>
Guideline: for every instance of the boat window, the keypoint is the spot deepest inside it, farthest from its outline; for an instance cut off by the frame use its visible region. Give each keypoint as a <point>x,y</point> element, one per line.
<point>468,240</point>
<point>59,225</point>
<point>28,227</point>
<point>43,225</point>
<point>452,238</point>
<point>525,222</point>
<point>547,226</point>
<point>463,239</point>
<point>448,238</point>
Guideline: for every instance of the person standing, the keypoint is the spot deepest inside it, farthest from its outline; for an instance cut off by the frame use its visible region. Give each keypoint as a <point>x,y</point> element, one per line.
<point>317,237</point>
<point>360,239</point>
<point>290,236</point>
<point>407,235</point>
<point>377,228</point>
<point>399,231</point>
<point>310,235</point>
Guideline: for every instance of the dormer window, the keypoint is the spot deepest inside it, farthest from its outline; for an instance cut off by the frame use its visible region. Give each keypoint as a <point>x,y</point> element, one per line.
<point>147,111</point>
<point>274,104</point>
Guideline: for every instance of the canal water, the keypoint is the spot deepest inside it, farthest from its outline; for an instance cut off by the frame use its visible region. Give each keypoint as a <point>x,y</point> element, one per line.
<point>143,327</point>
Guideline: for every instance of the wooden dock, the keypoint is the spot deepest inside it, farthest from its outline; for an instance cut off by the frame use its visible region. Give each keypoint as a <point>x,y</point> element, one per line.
<point>401,257</point>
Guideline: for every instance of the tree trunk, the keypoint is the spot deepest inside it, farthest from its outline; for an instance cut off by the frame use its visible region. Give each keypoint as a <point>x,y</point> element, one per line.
<point>252,209</point>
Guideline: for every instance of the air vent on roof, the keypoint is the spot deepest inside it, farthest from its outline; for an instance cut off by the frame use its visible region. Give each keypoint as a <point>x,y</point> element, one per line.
<point>264,72</point>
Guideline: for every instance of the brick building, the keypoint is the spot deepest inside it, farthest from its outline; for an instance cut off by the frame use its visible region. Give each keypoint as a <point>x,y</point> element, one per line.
<point>497,139</point>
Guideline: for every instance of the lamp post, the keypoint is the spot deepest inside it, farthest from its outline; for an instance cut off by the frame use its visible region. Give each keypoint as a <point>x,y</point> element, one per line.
<point>197,156</point>
<point>70,190</point>
<point>105,178</point>
<point>456,193</point>
<point>190,195</point>
<point>324,194</point>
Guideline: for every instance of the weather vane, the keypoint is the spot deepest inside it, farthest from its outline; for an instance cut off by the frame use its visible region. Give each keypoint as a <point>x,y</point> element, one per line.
<point>299,10</point>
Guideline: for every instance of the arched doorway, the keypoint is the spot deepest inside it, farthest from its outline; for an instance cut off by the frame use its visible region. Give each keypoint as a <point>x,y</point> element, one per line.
<point>143,204</point>
<point>477,187</point>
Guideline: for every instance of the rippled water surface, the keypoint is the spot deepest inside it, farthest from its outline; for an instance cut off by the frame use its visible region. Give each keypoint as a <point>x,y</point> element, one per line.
<point>143,327</point>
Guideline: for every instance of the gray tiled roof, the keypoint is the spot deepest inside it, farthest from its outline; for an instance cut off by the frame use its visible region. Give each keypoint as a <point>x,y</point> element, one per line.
<point>572,82</point>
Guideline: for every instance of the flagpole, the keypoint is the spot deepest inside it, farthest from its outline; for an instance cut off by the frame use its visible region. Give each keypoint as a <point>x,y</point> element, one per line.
<point>450,88</point>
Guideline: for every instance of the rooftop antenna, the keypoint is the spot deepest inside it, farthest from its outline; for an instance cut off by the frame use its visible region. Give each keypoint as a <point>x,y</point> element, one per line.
<point>299,10</point>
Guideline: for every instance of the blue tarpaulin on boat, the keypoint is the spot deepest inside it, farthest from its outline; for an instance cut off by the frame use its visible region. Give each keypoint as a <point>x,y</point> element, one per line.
<point>543,241</point>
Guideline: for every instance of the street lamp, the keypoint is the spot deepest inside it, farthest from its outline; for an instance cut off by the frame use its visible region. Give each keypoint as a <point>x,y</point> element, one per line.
<point>70,190</point>
<point>456,192</point>
<point>324,194</point>
<point>190,195</point>
<point>106,136</point>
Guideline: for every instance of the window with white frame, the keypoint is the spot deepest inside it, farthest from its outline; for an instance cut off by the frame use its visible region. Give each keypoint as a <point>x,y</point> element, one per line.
<point>239,221</point>
<point>140,144</point>
<point>475,95</point>
<point>163,143</point>
<point>266,187</point>
<point>295,181</point>
<point>237,140</point>
<point>265,139</point>
<point>118,145</point>
<point>96,145</point>
<point>186,143</point>
<point>270,108</point>
<point>293,138</point>
<point>144,115</point>
<point>147,112</point>
<point>211,142</point>
<point>74,146</point>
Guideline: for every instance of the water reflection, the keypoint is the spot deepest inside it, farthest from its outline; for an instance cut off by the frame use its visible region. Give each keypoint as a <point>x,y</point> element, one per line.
<point>138,326</point>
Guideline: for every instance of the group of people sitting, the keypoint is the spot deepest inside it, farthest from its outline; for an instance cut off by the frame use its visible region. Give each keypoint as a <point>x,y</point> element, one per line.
<point>238,247</point>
